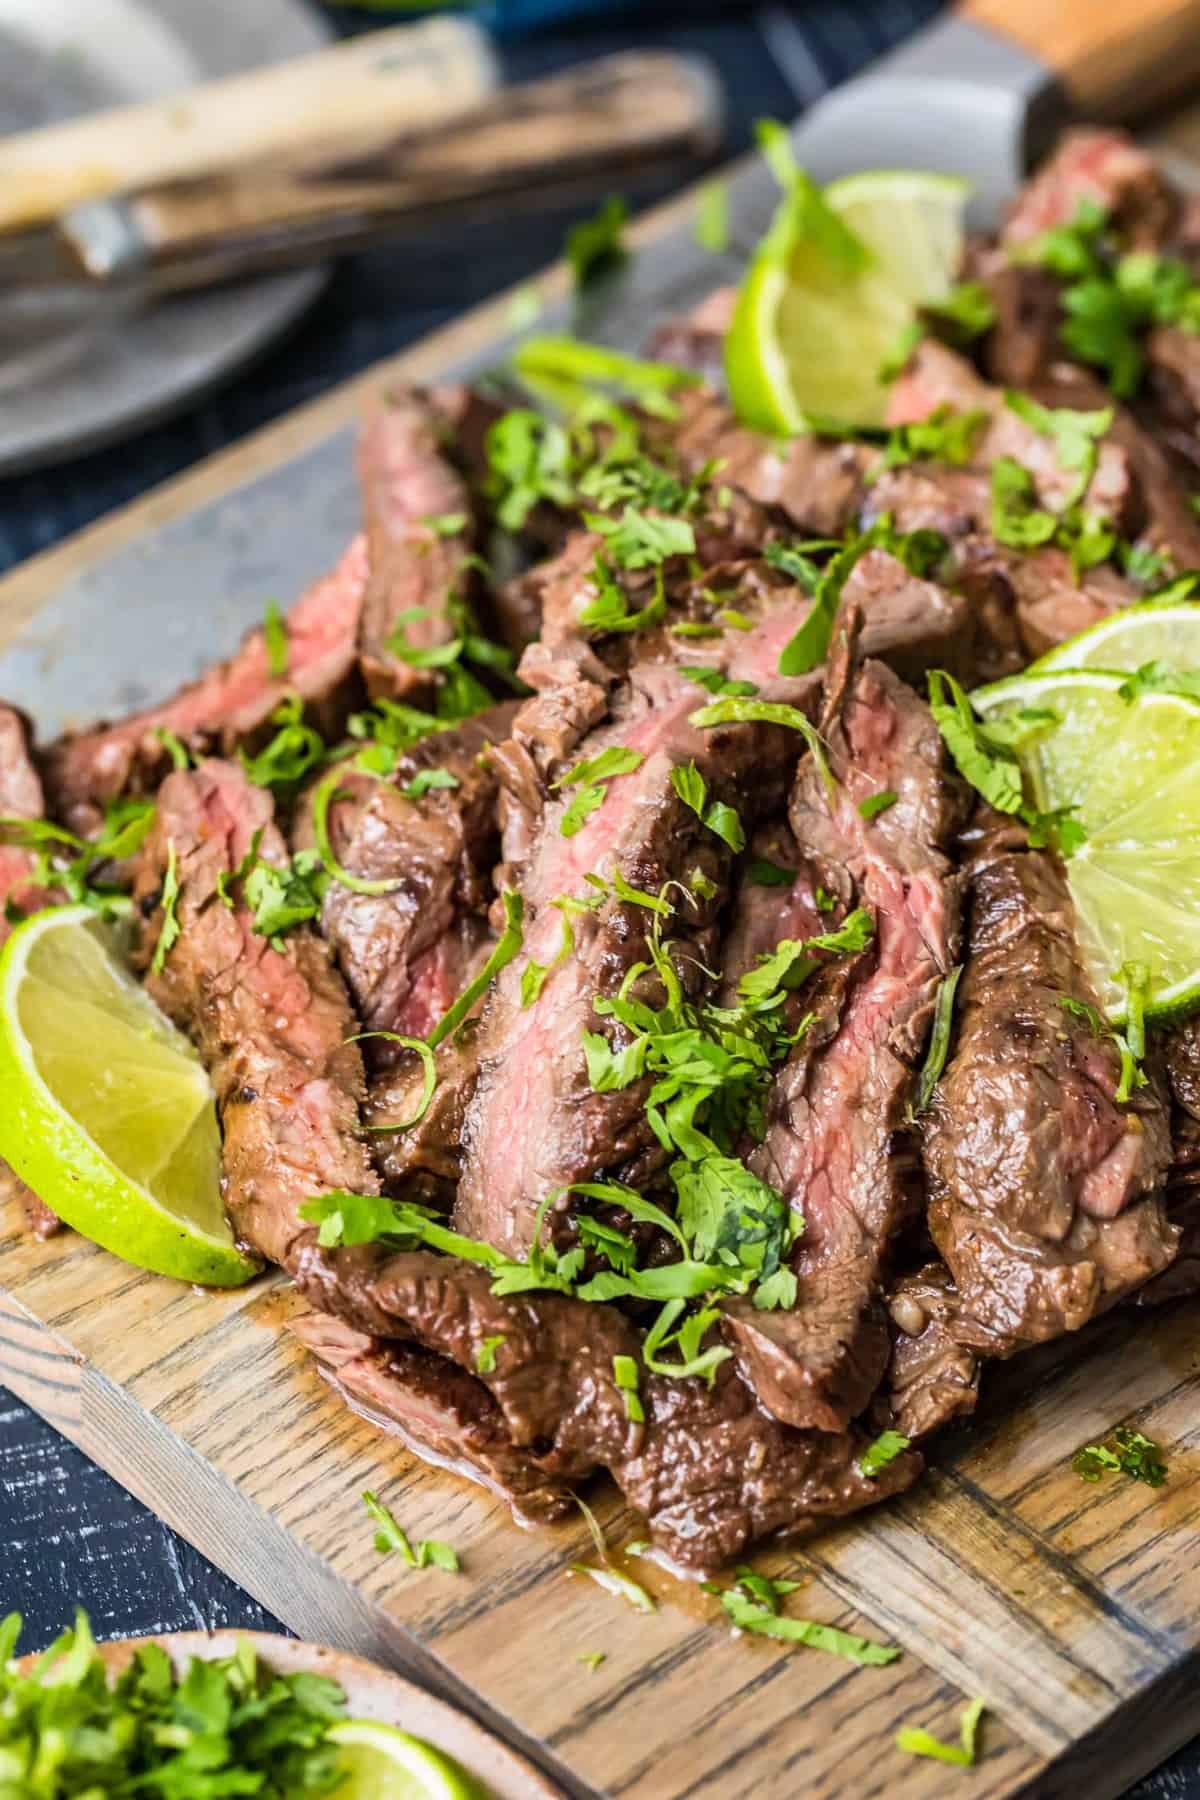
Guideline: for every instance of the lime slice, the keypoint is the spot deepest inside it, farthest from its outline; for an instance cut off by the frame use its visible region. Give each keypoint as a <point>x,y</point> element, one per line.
<point>809,336</point>
<point>1165,631</point>
<point>381,1763</point>
<point>1132,771</point>
<point>105,1109</point>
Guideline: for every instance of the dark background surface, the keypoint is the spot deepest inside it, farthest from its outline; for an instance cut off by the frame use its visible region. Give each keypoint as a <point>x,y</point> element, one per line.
<point>69,1534</point>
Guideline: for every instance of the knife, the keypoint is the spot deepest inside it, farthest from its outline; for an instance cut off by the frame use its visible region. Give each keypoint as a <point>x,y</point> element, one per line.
<point>575,134</point>
<point>984,91</point>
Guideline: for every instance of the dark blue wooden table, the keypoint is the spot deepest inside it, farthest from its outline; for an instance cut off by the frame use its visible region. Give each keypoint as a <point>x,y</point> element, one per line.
<point>68,1534</point>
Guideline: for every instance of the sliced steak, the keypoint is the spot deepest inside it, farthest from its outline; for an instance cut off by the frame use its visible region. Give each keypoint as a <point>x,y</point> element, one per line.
<point>708,1467</point>
<point>817,484</point>
<point>407,953</point>
<point>1037,592</point>
<point>931,1378</point>
<point>415,566</point>
<point>835,1144</point>
<point>1045,1194</point>
<point>938,377</point>
<point>909,623</point>
<point>423,1162</point>
<point>436,1409</point>
<point>534,1125</point>
<point>1106,167</point>
<point>271,1025</point>
<point>228,705</point>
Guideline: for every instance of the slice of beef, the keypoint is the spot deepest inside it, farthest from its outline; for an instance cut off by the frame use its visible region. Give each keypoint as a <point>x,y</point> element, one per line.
<point>836,1144</point>
<point>1024,342</point>
<point>534,1125</point>
<point>938,377</point>
<point>817,484</point>
<point>424,1161</point>
<point>20,798</point>
<point>1162,514</point>
<point>415,566</point>
<point>909,623</point>
<point>708,1467</point>
<point>1181,1053</point>
<point>932,1377</point>
<point>1106,167</point>
<point>271,1025</point>
<point>227,706</point>
<point>408,952</point>
<point>1045,1194</point>
<point>1037,592</point>
<point>438,1410</point>
<point>1173,382</point>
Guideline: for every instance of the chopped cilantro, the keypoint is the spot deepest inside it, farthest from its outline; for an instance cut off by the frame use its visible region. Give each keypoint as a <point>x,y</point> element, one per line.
<point>765,712</point>
<point>945,436</point>
<point>174,746</point>
<point>593,1658</point>
<point>446,525</point>
<point>594,245</point>
<point>1143,564</point>
<point>986,757</point>
<point>939,1040</point>
<point>874,804</point>
<point>504,950</point>
<point>1075,436</point>
<point>294,753</point>
<point>587,801</point>
<point>426,781</point>
<point>610,610</point>
<point>1158,677</point>
<point>916,1742</point>
<point>567,359</point>
<point>485,1355</point>
<point>616,760</point>
<point>1134,977</point>
<point>428,1083</point>
<point>275,637</point>
<point>883,1450</point>
<point>642,540</point>
<point>281,899</point>
<point>390,1536</point>
<point>718,817</point>
<point>965,314</point>
<point>227,1726</point>
<point>762,872</point>
<point>711,229</point>
<point>326,795</point>
<point>533,976</point>
<point>1134,1455</point>
<point>623,1586</point>
<point>625,1374</point>
<point>529,460</point>
<point>168,936</point>
<point>751,1614</point>
<point>714,681</point>
<point>672,1330</point>
<point>1016,519</point>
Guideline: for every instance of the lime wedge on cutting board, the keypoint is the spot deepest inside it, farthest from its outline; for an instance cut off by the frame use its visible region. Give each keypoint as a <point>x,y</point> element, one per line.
<point>1131,768</point>
<point>381,1763</point>
<point>105,1108</point>
<point>811,332</point>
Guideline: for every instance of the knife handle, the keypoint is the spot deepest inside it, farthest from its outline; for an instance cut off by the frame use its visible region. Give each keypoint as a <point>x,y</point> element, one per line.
<point>407,77</point>
<point>1115,58</point>
<point>571,134</point>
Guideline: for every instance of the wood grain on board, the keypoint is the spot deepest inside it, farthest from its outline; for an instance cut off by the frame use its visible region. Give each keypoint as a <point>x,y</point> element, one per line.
<point>1073,1609</point>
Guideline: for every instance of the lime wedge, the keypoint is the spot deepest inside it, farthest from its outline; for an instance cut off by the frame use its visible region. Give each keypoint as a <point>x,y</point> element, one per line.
<point>810,334</point>
<point>381,1763</point>
<point>1131,768</point>
<point>1166,631</point>
<point>105,1109</point>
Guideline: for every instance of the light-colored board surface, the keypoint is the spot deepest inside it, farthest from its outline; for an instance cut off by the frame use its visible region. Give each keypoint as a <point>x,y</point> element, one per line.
<point>1073,1609</point>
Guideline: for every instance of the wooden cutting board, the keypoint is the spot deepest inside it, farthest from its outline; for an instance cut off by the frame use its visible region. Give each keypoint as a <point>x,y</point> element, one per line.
<point>1073,1609</point>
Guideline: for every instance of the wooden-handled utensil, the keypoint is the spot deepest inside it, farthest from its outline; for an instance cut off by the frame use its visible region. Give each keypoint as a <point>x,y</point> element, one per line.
<point>403,78</point>
<point>984,90</point>
<point>580,132</point>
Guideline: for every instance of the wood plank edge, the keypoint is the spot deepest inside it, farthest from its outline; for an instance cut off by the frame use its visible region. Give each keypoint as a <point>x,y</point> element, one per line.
<point>254,1549</point>
<point>1132,1741</point>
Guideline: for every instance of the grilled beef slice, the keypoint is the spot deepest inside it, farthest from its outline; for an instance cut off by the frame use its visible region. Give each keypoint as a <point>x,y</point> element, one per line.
<point>932,1377</point>
<point>1103,166</point>
<point>534,1125</point>
<point>230,703</point>
<point>416,563</point>
<point>708,1467</point>
<point>835,1144</point>
<point>1045,1196</point>
<point>271,1025</point>
<point>406,953</point>
<point>20,798</point>
<point>438,1410</point>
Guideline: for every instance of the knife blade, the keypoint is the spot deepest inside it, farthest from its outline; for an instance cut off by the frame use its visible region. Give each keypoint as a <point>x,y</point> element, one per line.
<point>984,91</point>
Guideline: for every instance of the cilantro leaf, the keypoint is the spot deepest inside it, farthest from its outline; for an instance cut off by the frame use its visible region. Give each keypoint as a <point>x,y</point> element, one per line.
<point>445,525</point>
<point>939,1040</point>
<point>881,1451</point>
<point>616,760</point>
<point>762,872</point>
<point>625,1374</point>
<point>916,1742</point>
<point>505,949</point>
<point>168,936</point>
<point>1074,434</point>
<point>945,436</point>
<point>714,681</point>
<point>751,1615</point>
<point>610,610</point>
<point>485,1355</point>
<point>426,781</point>
<point>594,245</point>
<point>623,1586</point>
<point>327,793</point>
<point>275,637</point>
<point>874,804</point>
<point>294,753</point>
<point>587,801</point>
<point>1015,518</point>
<point>529,461</point>
<point>642,540</point>
<point>1135,1455</point>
